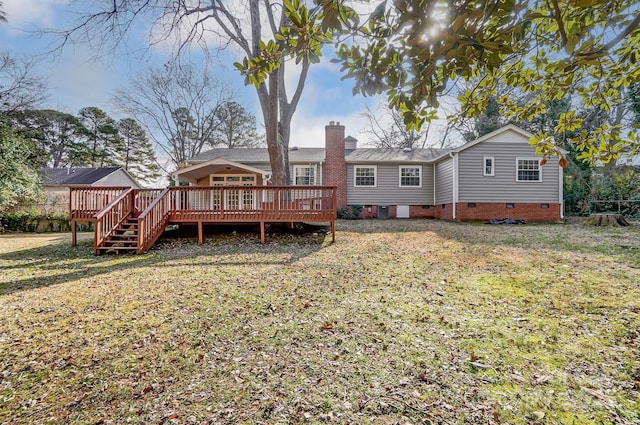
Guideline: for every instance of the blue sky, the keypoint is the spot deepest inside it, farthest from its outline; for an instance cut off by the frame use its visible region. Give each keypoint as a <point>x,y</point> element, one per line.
<point>76,79</point>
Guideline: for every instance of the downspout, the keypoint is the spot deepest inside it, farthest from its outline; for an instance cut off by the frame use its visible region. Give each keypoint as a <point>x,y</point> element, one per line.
<point>455,182</point>
<point>561,190</point>
<point>434,185</point>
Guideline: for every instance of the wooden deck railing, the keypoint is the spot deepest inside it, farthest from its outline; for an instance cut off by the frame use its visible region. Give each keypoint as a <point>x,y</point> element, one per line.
<point>108,207</point>
<point>253,203</point>
<point>144,198</point>
<point>85,202</point>
<point>108,219</point>
<point>153,220</point>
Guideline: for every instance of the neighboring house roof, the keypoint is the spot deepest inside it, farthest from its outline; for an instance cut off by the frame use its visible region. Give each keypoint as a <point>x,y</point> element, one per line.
<point>74,176</point>
<point>249,155</point>
<point>394,155</point>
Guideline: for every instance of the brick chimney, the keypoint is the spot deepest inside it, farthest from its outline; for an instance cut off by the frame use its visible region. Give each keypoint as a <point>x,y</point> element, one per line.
<point>335,168</point>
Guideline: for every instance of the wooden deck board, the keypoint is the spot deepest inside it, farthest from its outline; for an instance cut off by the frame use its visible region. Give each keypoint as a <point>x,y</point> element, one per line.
<point>156,208</point>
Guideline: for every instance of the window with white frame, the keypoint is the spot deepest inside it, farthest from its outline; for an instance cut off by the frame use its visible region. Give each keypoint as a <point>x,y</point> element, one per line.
<point>364,175</point>
<point>304,175</point>
<point>410,176</point>
<point>528,170</point>
<point>488,166</point>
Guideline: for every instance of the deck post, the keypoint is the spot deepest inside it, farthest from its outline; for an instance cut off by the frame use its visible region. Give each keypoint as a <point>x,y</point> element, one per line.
<point>262,236</point>
<point>74,240</point>
<point>200,234</point>
<point>333,231</point>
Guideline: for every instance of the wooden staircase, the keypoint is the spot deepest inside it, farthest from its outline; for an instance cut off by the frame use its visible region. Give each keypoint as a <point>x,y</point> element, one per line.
<point>123,239</point>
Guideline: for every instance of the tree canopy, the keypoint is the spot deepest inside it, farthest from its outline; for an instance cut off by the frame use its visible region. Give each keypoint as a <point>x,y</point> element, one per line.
<point>19,183</point>
<point>268,34</point>
<point>415,50</point>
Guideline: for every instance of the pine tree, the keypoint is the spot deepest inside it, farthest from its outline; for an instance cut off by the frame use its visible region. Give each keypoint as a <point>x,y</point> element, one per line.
<point>100,131</point>
<point>135,152</point>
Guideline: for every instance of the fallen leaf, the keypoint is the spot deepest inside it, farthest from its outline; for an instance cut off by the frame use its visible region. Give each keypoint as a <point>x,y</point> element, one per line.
<point>518,378</point>
<point>595,393</point>
<point>539,379</point>
<point>538,415</point>
<point>326,326</point>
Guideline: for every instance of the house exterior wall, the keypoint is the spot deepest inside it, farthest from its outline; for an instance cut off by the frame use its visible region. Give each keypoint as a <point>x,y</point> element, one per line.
<point>444,181</point>
<point>473,186</point>
<point>118,178</point>
<point>387,190</point>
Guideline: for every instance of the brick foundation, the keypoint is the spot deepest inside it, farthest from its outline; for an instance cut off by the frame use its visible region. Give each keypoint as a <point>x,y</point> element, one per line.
<point>415,211</point>
<point>443,212</point>
<point>528,211</point>
<point>481,211</point>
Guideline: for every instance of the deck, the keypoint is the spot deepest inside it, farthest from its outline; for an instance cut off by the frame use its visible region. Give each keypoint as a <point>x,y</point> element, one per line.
<point>128,219</point>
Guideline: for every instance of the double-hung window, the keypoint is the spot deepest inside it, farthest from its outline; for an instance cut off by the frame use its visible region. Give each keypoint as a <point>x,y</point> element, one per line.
<point>528,170</point>
<point>364,175</point>
<point>411,176</point>
<point>304,175</point>
<point>488,166</point>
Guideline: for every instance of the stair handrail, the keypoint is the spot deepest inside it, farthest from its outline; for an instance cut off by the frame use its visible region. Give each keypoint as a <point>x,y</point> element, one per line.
<point>111,216</point>
<point>153,220</point>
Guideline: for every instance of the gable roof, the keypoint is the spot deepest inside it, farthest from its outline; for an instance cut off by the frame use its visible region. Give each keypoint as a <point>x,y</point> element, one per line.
<point>506,128</point>
<point>74,176</point>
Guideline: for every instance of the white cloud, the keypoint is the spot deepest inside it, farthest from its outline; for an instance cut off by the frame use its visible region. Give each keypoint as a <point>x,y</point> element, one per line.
<point>26,13</point>
<point>76,80</point>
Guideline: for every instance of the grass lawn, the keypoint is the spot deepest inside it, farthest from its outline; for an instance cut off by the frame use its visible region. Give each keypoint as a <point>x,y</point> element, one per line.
<point>398,322</point>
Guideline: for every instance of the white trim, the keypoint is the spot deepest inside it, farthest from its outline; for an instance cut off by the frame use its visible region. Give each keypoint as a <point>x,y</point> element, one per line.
<point>529,158</point>
<point>493,166</point>
<point>375,175</point>
<point>455,185</point>
<point>400,167</point>
<point>312,167</point>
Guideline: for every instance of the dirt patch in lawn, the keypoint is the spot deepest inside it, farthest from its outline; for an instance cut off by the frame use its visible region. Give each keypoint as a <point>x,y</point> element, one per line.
<point>399,321</point>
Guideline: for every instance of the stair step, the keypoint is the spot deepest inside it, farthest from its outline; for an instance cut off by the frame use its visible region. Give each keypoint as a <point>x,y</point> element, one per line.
<point>116,249</point>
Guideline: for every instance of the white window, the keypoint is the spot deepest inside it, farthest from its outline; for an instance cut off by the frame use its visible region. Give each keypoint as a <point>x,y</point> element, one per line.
<point>528,170</point>
<point>304,175</point>
<point>364,175</point>
<point>488,166</point>
<point>411,176</point>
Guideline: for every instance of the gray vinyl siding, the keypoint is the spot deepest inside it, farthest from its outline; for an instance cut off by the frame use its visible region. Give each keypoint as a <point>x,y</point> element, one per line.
<point>388,190</point>
<point>118,178</point>
<point>444,181</point>
<point>503,187</point>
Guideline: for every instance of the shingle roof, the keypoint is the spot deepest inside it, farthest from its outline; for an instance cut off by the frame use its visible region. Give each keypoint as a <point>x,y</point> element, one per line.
<point>261,155</point>
<point>394,155</point>
<point>72,176</point>
<point>249,155</point>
